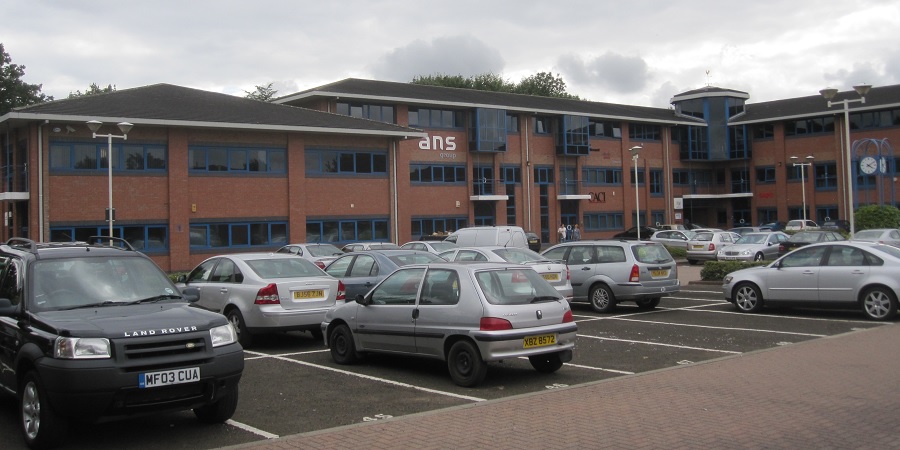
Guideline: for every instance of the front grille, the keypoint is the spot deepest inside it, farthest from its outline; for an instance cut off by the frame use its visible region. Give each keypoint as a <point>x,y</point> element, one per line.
<point>162,352</point>
<point>145,350</point>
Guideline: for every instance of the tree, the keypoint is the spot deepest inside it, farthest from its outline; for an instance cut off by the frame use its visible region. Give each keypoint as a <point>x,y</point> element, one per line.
<point>543,84</point>
<point>262,93</point>
<point>93,90</point>
<point>13,91</point>
<point>876,216</point>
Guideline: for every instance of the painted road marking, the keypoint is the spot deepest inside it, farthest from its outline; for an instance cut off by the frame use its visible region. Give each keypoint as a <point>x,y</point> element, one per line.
<point>660,344</point>
<point>253,430</point>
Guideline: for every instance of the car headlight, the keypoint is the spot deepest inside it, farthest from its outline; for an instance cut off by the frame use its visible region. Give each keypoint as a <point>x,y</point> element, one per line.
<point>727,279</point>
<point>721,252</point>
<point>81,348</point>
<point>222,335</point>
<point>745,252</point>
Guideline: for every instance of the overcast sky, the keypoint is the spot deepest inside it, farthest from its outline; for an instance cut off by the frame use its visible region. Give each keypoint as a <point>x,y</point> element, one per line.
<point>637,52</point>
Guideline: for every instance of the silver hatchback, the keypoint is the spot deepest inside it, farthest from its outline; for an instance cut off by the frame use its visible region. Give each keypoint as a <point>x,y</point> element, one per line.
<point>605,273</point>
<point>466,314</point>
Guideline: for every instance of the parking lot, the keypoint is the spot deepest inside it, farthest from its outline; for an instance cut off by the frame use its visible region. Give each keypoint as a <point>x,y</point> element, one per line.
<point>291,385</point>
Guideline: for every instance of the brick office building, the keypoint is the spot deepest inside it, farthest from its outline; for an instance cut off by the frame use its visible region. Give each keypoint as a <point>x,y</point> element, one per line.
<point>204,173</point>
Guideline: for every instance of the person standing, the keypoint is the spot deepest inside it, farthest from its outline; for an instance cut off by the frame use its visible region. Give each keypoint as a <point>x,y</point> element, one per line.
<point>562,233</point>
<point>576,233</point>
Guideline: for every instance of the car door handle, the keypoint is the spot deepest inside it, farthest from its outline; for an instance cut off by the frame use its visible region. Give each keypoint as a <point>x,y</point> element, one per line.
<point>585,268</point>
<point>809,272</point>
<point>223,290</point>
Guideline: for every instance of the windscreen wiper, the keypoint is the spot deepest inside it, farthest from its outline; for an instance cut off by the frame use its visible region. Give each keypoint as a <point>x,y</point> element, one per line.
<point>155,298</point>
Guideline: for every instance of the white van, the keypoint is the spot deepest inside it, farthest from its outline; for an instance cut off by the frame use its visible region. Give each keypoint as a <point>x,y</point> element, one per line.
<point>504,236</point>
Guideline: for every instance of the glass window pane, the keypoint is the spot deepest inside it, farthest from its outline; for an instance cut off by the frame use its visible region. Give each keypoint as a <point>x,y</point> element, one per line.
<point>59,157</point>
<point>259,234</point>
<point>218,235</point>
<point>85,156</point>
<point>240,235</point>
<point>156,158</point>
<point>258,161</point>
<point>198,159</point>
<point>237,160</point>
<point>276,161</point>
<point>198,236</point>
<point>363,163</point>
<point>134,157</point>
<point>217,159</point>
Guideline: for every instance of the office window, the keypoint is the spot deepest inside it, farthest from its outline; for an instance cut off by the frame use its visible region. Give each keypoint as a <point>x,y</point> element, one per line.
<point>543,125</point>
<point>605,129</point>
<point>345,162</point>
<point>380,113</point>
<point>488,130</point>
<point>144,238</point>
<point>512,124</point>
<point>236,160</point>
<point>339,230</point>
<point>826,176</point>
<point>574,139</point>
<point>644,132</point>
<point>437,173</point>
<point>601,176</point>
<point>765,175</point>
<point>656,182</point>
<point>128,157</point>
<point>436,118</point>
<point>763,131</point>
<point>238,234</point>
<point>604,221</point>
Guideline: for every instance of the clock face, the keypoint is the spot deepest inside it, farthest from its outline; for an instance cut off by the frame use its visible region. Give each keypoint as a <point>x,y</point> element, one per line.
<point>868,165</point>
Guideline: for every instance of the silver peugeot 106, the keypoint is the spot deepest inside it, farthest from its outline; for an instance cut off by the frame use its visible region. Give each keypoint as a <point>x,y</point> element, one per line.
<point>466,314</point>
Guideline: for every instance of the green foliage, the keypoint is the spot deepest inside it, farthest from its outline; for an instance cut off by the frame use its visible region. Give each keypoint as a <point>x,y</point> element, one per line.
<point>876,216</point>
<point>716,270</point>
<point>93,89</point>
<point>544,84</point>
<point>13,91</point>
<point>677,252</point>
<point>262,93</point>
<point>174,276</point>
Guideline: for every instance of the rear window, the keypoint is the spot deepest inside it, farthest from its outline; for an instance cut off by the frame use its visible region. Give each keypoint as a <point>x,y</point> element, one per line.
<point>651,254</point>
<point>703,237</point>
<point>518,255</point>
<point>284,268</point>
<point>323,250</point>
<point>415,258</point>
<point>515,287</point>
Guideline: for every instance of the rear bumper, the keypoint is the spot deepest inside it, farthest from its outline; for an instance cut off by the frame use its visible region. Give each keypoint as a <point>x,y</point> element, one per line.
<point>507,344</point>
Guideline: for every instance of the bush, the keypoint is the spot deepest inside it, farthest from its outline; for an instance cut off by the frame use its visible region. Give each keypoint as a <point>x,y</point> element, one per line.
<point>174,276</point>
<point>876,216</point>
<point>716,270</point>
<point>677,252</point>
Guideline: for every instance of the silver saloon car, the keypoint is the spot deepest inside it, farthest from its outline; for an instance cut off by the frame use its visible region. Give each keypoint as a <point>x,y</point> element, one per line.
<point>265,292</point>
<point>554,271</point>
<point>842,274</point>
<point>753,247</point>
<point>467,314</point>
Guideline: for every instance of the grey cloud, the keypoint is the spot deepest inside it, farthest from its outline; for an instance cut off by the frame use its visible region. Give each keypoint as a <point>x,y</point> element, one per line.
<point>610,70</point>
<point>454,55</point>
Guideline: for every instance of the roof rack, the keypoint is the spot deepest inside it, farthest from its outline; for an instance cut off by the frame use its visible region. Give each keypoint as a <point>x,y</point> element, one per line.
<point>21,242</point>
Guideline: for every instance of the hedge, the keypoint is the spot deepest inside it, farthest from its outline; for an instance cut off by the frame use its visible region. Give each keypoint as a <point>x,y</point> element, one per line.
<point>716,270</point>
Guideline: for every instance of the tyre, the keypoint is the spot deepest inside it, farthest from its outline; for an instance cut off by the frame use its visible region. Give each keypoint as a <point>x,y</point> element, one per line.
<point>41,427</point>
<point>747,298</point>
<point>221,410</point>
<point>759,257</point>
<point>602,299</point>
<point>340,342</point>
<point>546,363</point>
<point>879,303</point>
<point>244,337</point>
<point>465,364</point>
<point>648,303</point>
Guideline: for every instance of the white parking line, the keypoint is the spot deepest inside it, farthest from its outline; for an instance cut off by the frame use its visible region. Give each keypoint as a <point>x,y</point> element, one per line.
<point>719,328</point>
<point>253,430</point>
<point>266,355</point>
<point>775,316</point>
<point>659,344</point>
<point>368,377</point>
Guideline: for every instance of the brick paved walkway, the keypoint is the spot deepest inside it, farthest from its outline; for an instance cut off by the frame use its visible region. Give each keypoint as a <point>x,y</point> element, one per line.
<point>837,392</point>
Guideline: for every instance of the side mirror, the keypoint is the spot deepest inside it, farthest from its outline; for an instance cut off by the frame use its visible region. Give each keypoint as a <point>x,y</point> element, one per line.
<point>191,294</point>
<point>362,300</point>
<point>181,278</point>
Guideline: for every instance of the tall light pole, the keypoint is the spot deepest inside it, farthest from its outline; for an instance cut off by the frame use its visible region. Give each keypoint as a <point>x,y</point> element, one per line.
<point>637,201</point>
<point>803,179</point>
<point>125,127</point>
<point>829,93</point>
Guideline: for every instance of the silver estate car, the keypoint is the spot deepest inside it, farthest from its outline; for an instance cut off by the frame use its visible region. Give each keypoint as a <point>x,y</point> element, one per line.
<point>466,314</point>
<point>753,247</point>
<point>705,245</point>
<point>555,272</point>
<point>842,274</point>
<point>265,292</point>
<point>605,273</point>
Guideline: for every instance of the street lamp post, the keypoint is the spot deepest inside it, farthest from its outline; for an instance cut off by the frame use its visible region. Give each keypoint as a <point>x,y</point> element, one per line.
<point>637,201</point>
<point>125,127</point>
<point>803,179</point>
<point>829,93</point>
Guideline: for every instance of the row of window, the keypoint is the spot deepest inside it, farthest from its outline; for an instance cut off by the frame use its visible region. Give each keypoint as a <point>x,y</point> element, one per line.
<point>144,238</point>
<point>93,156</point>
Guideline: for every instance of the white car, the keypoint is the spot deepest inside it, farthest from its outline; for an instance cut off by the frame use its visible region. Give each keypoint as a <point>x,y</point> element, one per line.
<point>673,238</point>
<point>797,225</point>
<point>889,236</point>
<point>265,292</point>
<point>435,247</point>
<point>555,272</point>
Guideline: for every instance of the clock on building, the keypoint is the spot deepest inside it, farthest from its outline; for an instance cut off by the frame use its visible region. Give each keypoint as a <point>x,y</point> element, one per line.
<point>868,165</point>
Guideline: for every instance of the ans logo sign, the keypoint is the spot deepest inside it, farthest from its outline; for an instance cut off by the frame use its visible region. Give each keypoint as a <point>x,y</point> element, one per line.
<point>440,143</point>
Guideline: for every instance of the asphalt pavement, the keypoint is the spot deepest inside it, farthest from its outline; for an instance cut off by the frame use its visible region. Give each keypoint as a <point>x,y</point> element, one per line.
<point>841,391</point>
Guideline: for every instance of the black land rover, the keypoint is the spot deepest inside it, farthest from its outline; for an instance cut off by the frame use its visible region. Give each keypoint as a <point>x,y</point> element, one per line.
<point>89,330</point>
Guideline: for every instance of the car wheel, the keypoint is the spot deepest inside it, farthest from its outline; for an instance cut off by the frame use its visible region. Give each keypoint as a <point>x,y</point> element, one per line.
<point>340,341</point>
<point>602,299</point>
<point>747,298</point>
<point>879,303</point>
<point>237,320</point>
<point>42,427</point>
<point>465,364</point>
<point>648,303</point>
<point>759,257</point>
<point>221,410</point>
<point>546,363</point>
<point>692,262</point>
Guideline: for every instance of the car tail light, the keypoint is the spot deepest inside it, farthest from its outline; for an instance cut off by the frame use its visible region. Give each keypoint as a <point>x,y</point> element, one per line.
<point>567,317</point>
<point>320,264</point>
<point>635,274</point>
<point>342,292</point>
<point>781,248</point>
<point>494,324</point>
<point>712,247</point>
<point>267,295</point>
<point>568,273</point>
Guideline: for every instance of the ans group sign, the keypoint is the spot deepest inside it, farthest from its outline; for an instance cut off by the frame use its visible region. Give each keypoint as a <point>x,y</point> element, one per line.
<point>440,143</point>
